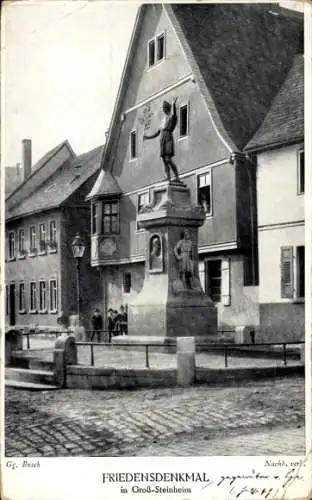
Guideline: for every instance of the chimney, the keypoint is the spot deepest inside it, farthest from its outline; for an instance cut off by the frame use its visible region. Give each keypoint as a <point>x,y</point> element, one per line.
<point>26,157</point>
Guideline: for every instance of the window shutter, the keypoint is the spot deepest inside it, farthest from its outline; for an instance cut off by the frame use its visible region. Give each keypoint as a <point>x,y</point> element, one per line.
<point>201,272</point>
<point>225,282</point>
<point>287,273</point>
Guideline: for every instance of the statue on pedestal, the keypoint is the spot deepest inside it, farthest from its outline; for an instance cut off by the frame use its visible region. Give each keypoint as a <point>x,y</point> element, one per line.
<point>183,252</point>
<point>165,131</point>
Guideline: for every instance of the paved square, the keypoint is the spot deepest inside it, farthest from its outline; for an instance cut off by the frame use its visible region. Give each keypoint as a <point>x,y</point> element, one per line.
<point>262,417</point>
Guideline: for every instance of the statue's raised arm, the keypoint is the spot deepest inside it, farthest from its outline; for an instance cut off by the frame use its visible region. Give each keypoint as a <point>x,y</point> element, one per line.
<point>165,131</point>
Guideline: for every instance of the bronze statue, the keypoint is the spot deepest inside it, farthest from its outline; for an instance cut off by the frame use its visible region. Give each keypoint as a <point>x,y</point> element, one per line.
<point>183,252</point>
<point>165,131</point>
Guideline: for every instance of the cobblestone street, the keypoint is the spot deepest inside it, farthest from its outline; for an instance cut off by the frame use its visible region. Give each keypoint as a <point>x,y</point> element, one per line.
<point>256,418</point>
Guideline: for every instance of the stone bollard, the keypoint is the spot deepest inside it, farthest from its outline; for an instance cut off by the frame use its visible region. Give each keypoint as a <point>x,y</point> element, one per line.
<point>244,335</point>
<point>13,342</point>
<point>65,353</point>
<point>59,368</point>
<point>8,351</point>
<point>185,361</point>
<point>302,354</point>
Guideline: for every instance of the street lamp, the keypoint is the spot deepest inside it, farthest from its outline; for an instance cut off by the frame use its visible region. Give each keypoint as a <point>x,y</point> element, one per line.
<point>78,249</point>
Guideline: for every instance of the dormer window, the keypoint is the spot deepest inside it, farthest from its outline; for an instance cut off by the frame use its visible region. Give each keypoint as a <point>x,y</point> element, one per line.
<point>156,50</point>
<point>110,217</point>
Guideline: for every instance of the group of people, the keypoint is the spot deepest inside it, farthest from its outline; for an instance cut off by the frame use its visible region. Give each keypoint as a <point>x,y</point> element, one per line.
<point>117,323</point>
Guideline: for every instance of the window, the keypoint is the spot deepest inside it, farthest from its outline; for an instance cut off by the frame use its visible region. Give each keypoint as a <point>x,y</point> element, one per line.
<point>52,235</point>
<point>127,282</point>
<point>301,172</point>
<point>42,295</point>
<point>156,50</point>
<point>204,194</point>
<point>292,272</point>
<point>21,297</point>
<point>160,47</point>
<point>110,217</point>
<point>33,296</point>
<point>42,237</point>
<point>94,216</point>
<point>143,200</point>
<point>6,300</point>
<point>21,242</point>
<point>53,296</point>
<point>213,279</point>
<point>32,237</point>
<point>133,145</point>
<point>151,53</point>
<point>183,120</point>
<point>287,282</point>
<point>300,272</point>
<point>11,245</point>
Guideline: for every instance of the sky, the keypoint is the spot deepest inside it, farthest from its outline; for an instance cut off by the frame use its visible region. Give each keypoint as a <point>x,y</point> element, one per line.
<point>62,64</point>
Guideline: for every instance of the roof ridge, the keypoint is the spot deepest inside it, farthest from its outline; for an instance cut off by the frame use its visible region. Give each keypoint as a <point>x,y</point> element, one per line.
<point>68,180</point>
<point>52,152</point>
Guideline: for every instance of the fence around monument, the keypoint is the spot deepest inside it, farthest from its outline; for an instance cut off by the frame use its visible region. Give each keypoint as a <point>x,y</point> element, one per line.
<point>285,351</point>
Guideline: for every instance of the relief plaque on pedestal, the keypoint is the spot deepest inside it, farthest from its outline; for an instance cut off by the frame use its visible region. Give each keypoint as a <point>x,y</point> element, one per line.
<point>156,256</point>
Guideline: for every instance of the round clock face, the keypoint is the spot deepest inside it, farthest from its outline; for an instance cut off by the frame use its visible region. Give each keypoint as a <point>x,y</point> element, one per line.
<point>108,246</point>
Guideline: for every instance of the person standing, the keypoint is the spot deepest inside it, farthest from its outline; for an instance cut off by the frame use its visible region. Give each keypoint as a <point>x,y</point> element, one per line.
<point>123,321</point>
<point>110,324</point>
<point>97,324</point>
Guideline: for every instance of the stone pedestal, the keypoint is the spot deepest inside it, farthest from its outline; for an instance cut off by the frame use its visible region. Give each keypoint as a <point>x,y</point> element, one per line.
<point>172,302</point>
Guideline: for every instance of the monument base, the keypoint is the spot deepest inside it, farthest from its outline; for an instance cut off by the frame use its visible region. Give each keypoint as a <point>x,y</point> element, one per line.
<point>172,302</point>
<point>167,344</point>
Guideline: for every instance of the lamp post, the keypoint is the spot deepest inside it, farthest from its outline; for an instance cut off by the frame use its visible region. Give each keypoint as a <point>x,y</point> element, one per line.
<point>78,249</point>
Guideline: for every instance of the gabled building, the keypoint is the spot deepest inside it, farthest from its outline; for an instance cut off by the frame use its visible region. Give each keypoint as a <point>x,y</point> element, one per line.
<point>43,216</point>
<point>278,150</point>
<point>224,63</point>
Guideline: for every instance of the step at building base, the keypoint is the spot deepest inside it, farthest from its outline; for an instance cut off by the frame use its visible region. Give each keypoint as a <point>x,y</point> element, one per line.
<point>30,386</point>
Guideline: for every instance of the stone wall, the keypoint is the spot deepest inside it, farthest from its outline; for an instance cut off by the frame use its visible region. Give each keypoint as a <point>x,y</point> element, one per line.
<point>87,377</point>
<point>281,322</point>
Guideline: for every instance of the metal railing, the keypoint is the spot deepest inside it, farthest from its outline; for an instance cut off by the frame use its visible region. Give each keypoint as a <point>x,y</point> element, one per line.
<point>89,334</point>
<point>263,349</point>
<point>32,333</point>
<point>124,344</point>
<point>229,348</point>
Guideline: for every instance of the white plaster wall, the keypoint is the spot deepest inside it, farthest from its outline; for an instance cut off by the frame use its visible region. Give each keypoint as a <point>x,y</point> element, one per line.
<point>270,243</point>
<point>278,201</point>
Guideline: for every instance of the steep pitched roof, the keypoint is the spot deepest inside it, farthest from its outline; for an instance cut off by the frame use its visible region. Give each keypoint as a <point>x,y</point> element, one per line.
<point>243,53</point>
<point>240,55</point>
<point>60,185</point>
<point>284,122</point>
<point>39,166</point>
<point>105,185</point>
